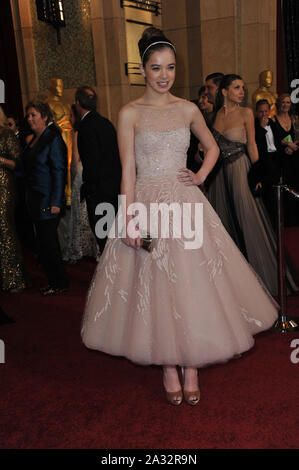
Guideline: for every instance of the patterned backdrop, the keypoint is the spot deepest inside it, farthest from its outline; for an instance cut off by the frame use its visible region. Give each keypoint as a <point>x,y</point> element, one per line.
<point>73,60</point>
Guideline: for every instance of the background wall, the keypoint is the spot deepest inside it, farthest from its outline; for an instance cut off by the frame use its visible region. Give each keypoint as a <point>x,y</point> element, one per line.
<point>73,59</point>
<point>236,36</point>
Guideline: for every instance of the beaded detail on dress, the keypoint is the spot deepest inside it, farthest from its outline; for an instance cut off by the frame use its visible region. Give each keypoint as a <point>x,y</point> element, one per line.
<point>161,141</point>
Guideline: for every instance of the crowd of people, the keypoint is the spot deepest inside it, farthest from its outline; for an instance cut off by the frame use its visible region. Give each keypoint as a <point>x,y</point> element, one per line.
<point>168,306</point>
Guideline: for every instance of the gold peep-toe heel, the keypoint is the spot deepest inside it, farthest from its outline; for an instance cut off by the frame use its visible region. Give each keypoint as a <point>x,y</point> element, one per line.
<point>192,398</point>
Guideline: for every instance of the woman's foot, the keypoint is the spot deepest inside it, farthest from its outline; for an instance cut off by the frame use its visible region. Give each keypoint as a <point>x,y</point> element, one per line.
<point>172,385</point>
<point>191,388</point>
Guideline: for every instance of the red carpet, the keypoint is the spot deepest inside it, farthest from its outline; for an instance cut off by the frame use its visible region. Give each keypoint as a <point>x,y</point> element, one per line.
<point>57,394</point>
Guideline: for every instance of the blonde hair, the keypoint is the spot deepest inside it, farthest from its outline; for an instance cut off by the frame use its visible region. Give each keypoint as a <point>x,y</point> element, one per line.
<point>3,118</point>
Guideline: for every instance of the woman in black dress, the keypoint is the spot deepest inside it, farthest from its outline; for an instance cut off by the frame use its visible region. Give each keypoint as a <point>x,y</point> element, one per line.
<point>284,125</point>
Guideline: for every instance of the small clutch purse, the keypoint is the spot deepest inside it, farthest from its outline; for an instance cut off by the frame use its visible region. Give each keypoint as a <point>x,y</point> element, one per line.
<point>146,243</point>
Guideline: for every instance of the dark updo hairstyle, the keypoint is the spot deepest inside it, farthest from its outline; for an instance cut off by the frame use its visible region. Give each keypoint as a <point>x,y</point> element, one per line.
<point>150,36</point>
<point>43,108</point>
<point>225,83</point>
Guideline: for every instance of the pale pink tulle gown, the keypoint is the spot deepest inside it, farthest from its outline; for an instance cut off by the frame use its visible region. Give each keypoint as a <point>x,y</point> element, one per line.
<point>174,305</point>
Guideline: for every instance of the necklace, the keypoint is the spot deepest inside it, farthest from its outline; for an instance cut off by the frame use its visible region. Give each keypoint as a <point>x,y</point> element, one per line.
<point>227,110</point>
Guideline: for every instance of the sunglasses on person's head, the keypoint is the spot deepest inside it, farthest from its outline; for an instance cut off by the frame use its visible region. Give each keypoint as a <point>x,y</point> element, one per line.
<point>10,124</point>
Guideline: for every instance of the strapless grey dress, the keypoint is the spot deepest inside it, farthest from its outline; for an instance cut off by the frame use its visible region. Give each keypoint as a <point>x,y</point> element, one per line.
<point>245,217</point>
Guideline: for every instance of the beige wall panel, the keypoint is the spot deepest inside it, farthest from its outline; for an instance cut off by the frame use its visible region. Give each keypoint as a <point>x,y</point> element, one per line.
<point>136,92</point>
<point>118,97</point>
<point>193,13</point>
<point>250,11</point>
<point>212,9</point>
<point>272,56</point>
<point>195,56</point>
<point>218,46</point>
<point>182,92</point>
<point>265,11</point>
<point>251,87</point>
<point>179,38</point>
<point>96,9</point>
<point>111,9</point>
<point>250,52</point>
<point>99,44</point>
<point>112,30</point>
<point>272,15</point>
<point>174,14</point>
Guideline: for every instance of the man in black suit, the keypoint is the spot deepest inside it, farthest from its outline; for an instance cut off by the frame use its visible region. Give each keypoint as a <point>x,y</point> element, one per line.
<point>98,150</point>
<point>269,148</point>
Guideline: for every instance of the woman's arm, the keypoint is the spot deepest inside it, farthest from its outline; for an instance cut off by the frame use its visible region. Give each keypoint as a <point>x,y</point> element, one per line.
<point>5,163</point>
<point>75,155</point>
<point>125,137</point>
<point>250,131</point>
<point>13,151</point>
<point>208,143</point>
<point>58,167</point>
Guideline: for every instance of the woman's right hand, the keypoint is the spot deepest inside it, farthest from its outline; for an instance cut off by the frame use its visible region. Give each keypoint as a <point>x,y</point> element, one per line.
<point>132,242</point>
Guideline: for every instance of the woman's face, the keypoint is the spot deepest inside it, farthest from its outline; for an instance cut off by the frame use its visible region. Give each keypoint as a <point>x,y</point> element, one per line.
<point>285,105</point>
<point>235,92</point>
<point>159,71</point>
<point>36,121</point>
<point>203,102</point>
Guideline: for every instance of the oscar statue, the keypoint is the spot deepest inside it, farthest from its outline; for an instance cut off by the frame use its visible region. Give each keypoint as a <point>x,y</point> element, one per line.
<point>264,92</point>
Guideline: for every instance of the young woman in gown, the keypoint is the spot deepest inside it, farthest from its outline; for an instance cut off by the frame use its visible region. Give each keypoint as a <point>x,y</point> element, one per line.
<point>244,216</point>
<point>172,306</point>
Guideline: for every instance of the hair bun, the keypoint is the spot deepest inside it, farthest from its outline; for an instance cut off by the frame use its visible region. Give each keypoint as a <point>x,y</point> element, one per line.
<point>151,35</point>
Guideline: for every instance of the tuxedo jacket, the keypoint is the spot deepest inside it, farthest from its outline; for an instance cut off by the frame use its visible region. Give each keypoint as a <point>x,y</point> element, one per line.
<point>270,167</point>
<point>44,167</point>
<point>98,150</point>
<point>260,137</point>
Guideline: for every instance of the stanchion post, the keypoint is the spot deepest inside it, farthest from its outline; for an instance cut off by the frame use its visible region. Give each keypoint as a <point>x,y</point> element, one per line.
<point>282,324</point>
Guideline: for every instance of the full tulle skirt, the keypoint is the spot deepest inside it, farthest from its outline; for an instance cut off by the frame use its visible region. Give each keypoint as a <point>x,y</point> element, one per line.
<point>176,305</point>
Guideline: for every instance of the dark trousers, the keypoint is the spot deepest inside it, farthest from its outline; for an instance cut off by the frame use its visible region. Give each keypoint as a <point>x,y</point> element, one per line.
<point>91,203</point>
<point>49,252</point>
<point>272,173</point>
<point>291,178</point>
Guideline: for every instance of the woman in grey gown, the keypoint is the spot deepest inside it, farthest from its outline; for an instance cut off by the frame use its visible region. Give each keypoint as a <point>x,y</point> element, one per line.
<point>243,215</point>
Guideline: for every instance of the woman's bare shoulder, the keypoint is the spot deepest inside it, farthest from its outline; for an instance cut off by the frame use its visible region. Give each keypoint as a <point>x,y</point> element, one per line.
<point>127,112</point>
<point>246,111</point>
<point>189,109</point>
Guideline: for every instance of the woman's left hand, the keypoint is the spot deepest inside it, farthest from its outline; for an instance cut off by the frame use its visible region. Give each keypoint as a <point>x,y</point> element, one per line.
<point>55,210</point>
<point>189,178</point>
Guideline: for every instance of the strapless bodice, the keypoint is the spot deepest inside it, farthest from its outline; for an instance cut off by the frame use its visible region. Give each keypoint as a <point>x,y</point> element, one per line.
<point>162,138</point>
<point>236,134</point>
